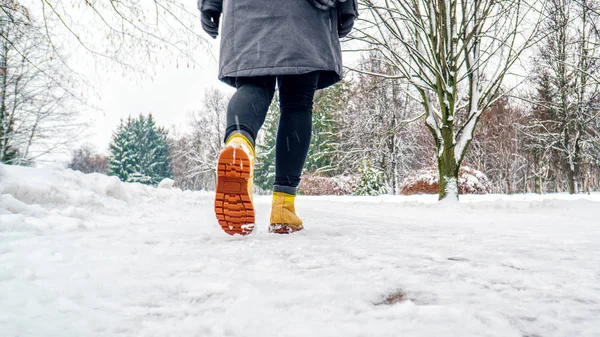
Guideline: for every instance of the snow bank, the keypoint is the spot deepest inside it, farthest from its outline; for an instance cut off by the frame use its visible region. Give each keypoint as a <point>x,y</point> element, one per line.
<point>86,255</point>
<point>58,199</point>
<point>63,199</point>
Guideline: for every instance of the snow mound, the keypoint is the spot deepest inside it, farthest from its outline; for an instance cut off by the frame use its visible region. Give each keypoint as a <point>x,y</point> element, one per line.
<point>166,183</point>
<point>60,199</point>
<point>51,186</point>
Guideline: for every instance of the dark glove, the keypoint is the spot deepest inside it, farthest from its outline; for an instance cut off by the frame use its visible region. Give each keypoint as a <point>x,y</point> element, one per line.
<point>345,25</point>
<point>210,22</point>
<point>347,14</point>
<point>210,14</point>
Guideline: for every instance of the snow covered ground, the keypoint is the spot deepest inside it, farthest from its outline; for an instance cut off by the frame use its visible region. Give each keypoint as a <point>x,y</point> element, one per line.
<point>86,255</point>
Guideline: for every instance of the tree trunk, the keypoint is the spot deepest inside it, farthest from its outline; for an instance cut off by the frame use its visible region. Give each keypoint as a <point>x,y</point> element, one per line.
<point>508,181</point>
<point>571,180</point>
<point>448,166</point>
<point>4,132</point>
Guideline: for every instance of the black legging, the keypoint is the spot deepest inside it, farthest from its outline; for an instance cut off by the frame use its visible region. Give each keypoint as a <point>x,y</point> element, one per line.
<point>247,111</point>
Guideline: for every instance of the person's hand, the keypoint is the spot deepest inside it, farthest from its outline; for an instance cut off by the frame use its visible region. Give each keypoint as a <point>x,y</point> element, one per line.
<point>345,25</point>
<point>210,22</point>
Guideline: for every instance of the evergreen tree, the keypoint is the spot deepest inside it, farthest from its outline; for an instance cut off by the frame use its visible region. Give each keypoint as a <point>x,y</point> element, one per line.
<point>264,172</point>
<point>120,152</point>
<point>372,180</point>
<point>541,129</point>
<point>324,140</point>
<point>324,145</point>
<point>8,155</point>
<point>139,152</point>
<point>138,171</point>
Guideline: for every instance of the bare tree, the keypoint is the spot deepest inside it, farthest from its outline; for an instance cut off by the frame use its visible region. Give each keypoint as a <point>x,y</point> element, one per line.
<point>563,129</point>
<point>374,125</point>
<point>455,54</point>
<point>496,147</point>
<point>131,33</point>
<point>86,160</point>
<point>37,103</point>
<point>194,155</point>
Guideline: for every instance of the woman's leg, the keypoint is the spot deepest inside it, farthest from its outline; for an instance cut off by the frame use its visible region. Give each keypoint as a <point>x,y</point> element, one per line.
<point>296,94</point>
<point>235,167</point>
<point>248,107</point>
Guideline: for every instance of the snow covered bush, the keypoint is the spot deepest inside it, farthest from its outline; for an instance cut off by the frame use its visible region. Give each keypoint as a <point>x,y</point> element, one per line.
<point>339,185</point>
<point>166,183</point>
<point>426,181</point>
<point>372,180</point>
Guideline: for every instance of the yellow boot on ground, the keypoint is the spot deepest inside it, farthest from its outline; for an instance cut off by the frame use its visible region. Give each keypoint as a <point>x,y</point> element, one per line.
<point>233,198</point>
<point>283,214</point>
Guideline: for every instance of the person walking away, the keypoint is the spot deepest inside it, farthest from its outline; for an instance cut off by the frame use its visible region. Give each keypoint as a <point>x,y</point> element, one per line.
<point>296,45</point>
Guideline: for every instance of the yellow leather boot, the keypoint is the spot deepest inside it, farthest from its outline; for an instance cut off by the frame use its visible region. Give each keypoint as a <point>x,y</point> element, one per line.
<point>233,198</point>
<point>283,214</point>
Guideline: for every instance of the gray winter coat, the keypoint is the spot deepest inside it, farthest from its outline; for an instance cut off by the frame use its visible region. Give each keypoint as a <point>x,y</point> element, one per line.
<point>279,37</point>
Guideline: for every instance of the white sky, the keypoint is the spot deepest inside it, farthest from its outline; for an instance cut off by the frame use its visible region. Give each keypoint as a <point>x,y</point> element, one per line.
<point>169,92</point>
<point>170,95</point>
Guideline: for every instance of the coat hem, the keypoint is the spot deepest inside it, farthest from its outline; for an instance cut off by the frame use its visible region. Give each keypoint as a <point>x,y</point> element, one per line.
<point>327,77</point>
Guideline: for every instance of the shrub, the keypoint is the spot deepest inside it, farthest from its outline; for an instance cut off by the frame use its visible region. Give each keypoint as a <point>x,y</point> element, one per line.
<point>426,181</point>
<point>315,185</point>
<point>372,180</point>
<point>85,160</point>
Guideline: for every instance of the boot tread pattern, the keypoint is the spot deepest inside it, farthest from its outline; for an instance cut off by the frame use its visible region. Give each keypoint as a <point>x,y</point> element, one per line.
<point>233,205</point>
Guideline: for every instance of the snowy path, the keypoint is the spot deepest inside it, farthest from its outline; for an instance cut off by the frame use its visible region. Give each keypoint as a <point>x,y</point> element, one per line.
<point>88,256</point>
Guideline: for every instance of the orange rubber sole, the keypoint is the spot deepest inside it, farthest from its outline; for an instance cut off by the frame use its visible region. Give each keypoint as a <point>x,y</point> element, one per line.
<point>233,204</point>
<point>283,229</point>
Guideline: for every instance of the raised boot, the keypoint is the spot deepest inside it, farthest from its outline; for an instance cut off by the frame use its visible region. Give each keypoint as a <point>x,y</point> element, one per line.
<point>283,214</point>
<point>233,198</point>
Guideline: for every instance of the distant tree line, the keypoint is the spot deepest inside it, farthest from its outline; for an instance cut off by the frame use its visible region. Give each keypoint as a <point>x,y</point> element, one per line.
<point>364,128</point>
<point>429,92</point>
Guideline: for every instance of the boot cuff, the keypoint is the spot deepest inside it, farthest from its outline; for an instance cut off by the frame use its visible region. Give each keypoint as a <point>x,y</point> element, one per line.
<point>247,135</point>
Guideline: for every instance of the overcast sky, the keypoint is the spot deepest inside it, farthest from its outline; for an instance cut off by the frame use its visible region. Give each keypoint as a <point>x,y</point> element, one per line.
<point>167,91</point>
<point>169,95</point>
